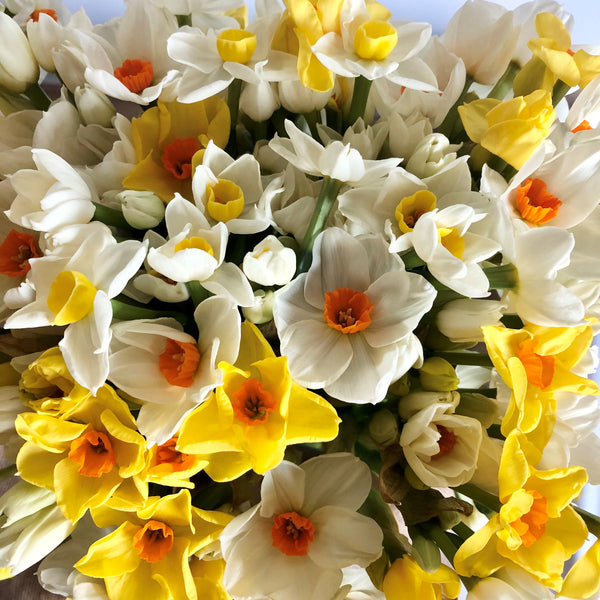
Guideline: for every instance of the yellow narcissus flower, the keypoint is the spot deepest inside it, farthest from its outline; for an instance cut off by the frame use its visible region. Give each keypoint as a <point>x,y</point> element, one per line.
<point>147,556</point>
<point>166,138</point>
<point>96,457</point>
<point>536,528</point>
<point>257,412</point>
<point>512,129</point>
<point>406,580</point>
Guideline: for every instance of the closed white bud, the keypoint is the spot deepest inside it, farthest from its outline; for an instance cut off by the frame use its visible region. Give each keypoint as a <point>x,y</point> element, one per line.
<point>461,320</point>
<point>18,67</point>
<point>383,428</point>
<point>270,263</point>
<point>432,154</point>
<point>94,106</point>
<point>142,210</point>
<point>262,309</point>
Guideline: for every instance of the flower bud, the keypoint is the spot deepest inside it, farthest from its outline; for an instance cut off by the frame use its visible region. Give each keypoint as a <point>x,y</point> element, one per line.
<point>438,375</point>
<point>426,553</point>
<point>94,106</point>
<point>432,154</point>
<point>142,210</point>
<point>462,320</point>
<point>262,309</point>
<point>270,263</point>
<point>18,67</point>
<point>383,428</point>
<point>480,407</point>
<point>449,519</point>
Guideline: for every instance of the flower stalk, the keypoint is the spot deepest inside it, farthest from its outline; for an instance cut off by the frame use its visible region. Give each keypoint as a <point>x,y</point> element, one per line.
<point>362,86</point>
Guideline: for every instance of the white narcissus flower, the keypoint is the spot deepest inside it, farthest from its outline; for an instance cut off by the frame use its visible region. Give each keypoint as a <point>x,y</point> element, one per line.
<point>18,67</point>
<point>367,139</point>
<point>434,153</point>
<point>349,330</point>
<point>270,263</point>
<point>206,14</point>
<point>461,320</point>
<point>170,371</point>
<point>50,197</point>
<point>303,533</point>
<point>195,251</point>
<point>337,160</point>
<point>75,290</point>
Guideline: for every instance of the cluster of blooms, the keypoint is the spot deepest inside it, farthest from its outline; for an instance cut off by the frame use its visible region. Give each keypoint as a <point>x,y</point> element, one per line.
<point>312,309</point>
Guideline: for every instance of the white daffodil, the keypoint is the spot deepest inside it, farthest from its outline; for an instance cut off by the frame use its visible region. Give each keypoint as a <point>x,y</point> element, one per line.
<point>367,139</point>
<point>205,14</point>
<point>33,10</point>
<point>488,48</point>
<point>32,526</point>
<point>195,251</point>
<point>75,290</point>
<point>135,68</point>
<point>461,320</point>
<point>510,583</point>
<point>51,196</point>
<point>434,153</point>
<point>231,191</point>
<point>336,160</point>
<point>440,447</point>
<point>349,331</point>
<point>173,372</point>
<point>305,530</point>
<point>406,134</point>
<point>18,67</point>
<point>372,48</point>
<point>270,263</point>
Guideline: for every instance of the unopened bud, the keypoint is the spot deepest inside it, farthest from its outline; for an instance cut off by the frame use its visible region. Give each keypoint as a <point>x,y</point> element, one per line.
<point>426,553</point>
<point>383,428</point>
<point>142,210</point>
<point>94,106</point>
<point>449,519</point>
<point>262,309</point>
<point>18,67</point>
<point>438,375</point>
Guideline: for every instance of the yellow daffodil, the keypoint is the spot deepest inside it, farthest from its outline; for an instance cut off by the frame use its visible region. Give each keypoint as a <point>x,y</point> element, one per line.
<point>208,578</point>
<point>535,362</point>
<point>512,129</point>
<point>147,556</point>
<point>166,138</point>
<point>554,60</point>
<point>169,466</point>
<point>95,457</point>
<point>536,528</point>
<point>258,411</point>
<point>406,580</point>
<point>583,578</point>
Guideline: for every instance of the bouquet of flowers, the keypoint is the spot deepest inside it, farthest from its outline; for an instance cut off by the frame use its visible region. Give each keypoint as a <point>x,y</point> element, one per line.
<point>299,307</point>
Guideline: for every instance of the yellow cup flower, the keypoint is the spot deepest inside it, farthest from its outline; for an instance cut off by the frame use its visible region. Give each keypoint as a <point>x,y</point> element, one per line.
<point>94,458</point>
<point>147,556</point>
<point>257,412</point>
<point>536,528</point>
<point>166,138</point>
<point>236,45</point>
<point>512,129</point>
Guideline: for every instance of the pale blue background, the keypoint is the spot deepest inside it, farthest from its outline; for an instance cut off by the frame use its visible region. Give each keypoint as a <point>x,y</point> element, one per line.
<point>436,12</point>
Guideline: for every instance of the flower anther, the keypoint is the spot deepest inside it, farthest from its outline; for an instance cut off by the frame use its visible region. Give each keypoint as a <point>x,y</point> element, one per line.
<point>292,533</point>
<point>532,525</point>
<point>71,297</point>
<point>446,442</point>
<point>252,404</point>
<point>136,75</point>
<point>179,362</point>
<point>535,204</point>
<point>153,541</point>
<point>177,157</point>
<point>224,200</point>
<point>94,453</point>
<point>347,310</point>
<point>15,252</point>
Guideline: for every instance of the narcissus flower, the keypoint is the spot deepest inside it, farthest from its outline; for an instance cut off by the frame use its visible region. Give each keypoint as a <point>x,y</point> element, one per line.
<point>536,528</point>
<point>303,532</point>
<point>257,412</point>
<point>148,554</point>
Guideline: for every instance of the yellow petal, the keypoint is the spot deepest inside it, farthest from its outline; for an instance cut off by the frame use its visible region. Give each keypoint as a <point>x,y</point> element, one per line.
<point>588,65</point>
<point>473,118</point>
<point>128,444</point>
<point>306,18</point>
<point>313,74</point>
<point>548,25</point>
<point>253,346</point>
<point>570,530</point>
<point>173,572</point>
<point>54,435</point>
<point>136,584</point>
<point>514,468</point>
<point>36,465</point>
<point>583,579</point>
<point>236,45</point>
<point>227,466</point>
<point>71,297</point>
<point>374,40</point>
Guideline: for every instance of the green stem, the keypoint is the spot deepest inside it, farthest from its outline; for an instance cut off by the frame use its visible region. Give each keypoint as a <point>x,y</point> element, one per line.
<point>110,216</point>
<point>362,86</point>
<point>443,541</point>
<point>184,20</point>
<point>449,122</point>
<point>412,260</point>
<point>278,120</point>
<point>502,277</point>
<point>312,118</point>
<point>592,521</point>
<point>463,530</point>
<point>324,205</point>
<point>560,90</point>
<point>478,495</point>
<point>495,431</point>
<point>512,322</point>
<point>197,293</point>
<point>38,97</point>
<point>504,84</point>
<point>128,311</point>
<point>233,102</point>
<point>487,392</point>
<point>466,358</point>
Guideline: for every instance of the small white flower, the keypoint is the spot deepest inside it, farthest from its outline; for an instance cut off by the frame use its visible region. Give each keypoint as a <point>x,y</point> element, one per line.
<point>270,263</point>
<point>461,320</point>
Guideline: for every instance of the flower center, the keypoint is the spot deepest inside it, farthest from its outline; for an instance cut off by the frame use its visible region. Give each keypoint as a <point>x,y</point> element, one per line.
<point>535,204</point>
<point>347,310</point>
<point>224,200</point>
<point>179,362</point>
<point>35,15</point>
<point>94,453</point>
<point>583,126</point>
<point>292,533</point>
<point>374,40</point>
<point>71,297</point>
<point>153,541</point>
<point>409,209</point>
<point>446,442</point>
<point>532,525</point>
<point>177,157</point>
<point>539,369</point>
<point>136,75</point>
<point>167,454</point>
<point>236,45</point>
<point>196,243</point>
<point>15,252</point>
<point>252,404</point>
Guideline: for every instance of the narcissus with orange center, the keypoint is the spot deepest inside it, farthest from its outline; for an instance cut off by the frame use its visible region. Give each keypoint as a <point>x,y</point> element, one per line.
<point>347,310</point>
<point>177,156</point>
<point>252,404</point>
<point>532,525</point>
<point>539,369</point>
<point>292,533</point>
<point>179,362</point>
<point>94,453</point>
<point>135,74</point>
<point>35,15</point>
<point>15,252</point>
<point>153,541</point>
<point>535,204</point>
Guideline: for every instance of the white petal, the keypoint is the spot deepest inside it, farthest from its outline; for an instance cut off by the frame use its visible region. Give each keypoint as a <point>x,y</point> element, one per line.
<point>282,490</point>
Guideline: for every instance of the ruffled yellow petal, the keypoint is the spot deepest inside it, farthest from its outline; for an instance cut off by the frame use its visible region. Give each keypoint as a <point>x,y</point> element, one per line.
<point>51,434</point>
<point>36,465</point>
<point>583,579</point>
<point>473,117</point>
